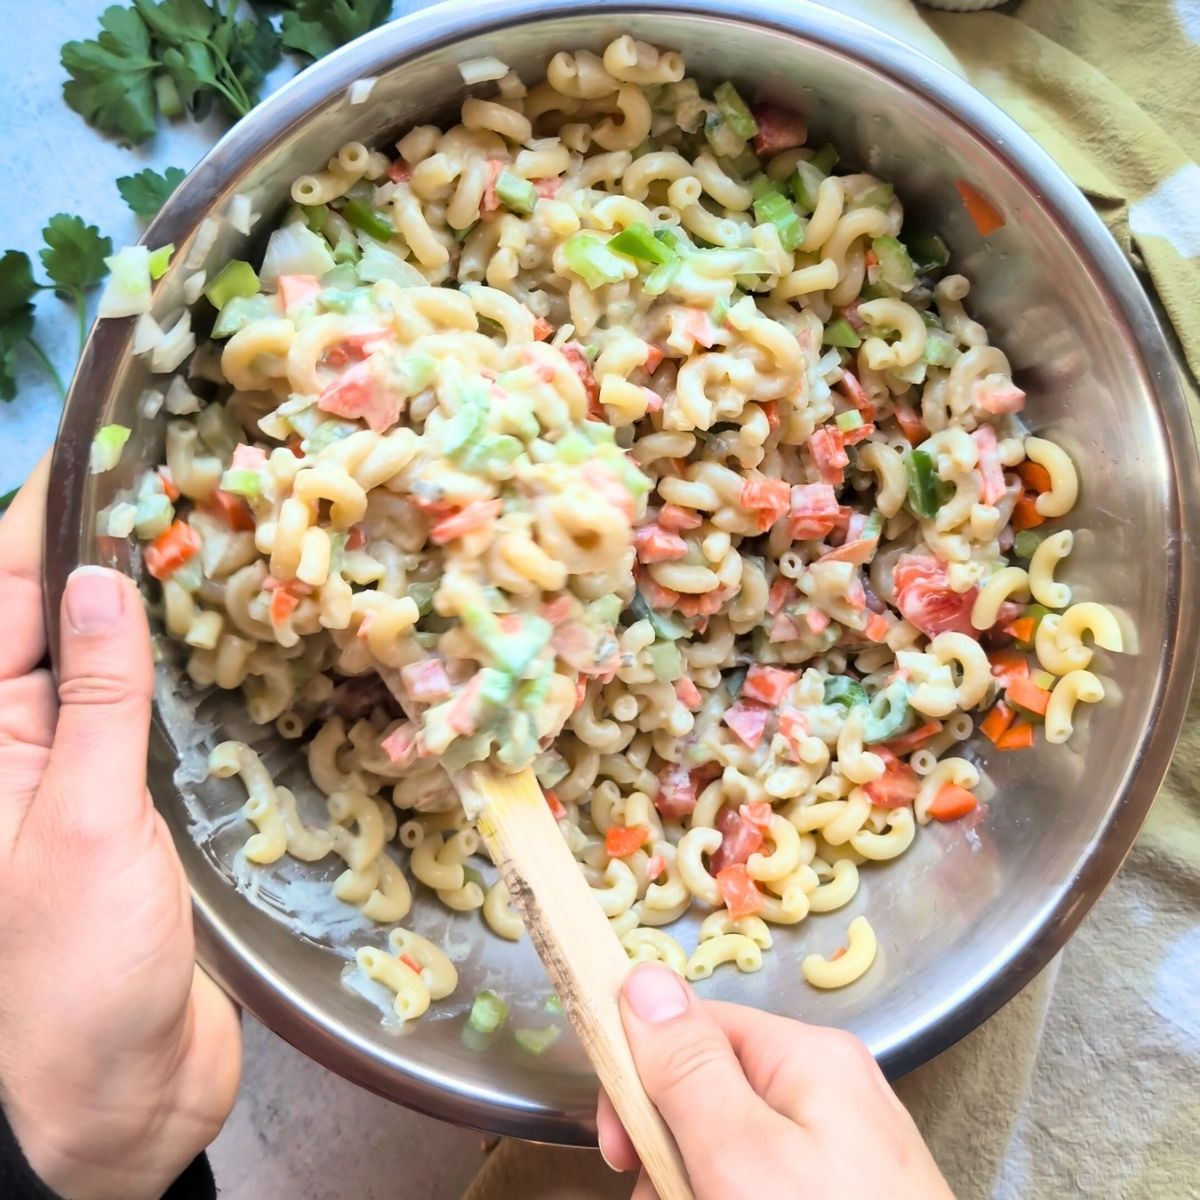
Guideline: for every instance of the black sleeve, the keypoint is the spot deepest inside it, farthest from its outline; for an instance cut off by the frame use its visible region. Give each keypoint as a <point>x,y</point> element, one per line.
<point>18,1182</point>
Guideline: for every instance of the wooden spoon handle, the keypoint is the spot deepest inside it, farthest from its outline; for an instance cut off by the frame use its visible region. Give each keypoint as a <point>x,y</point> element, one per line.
<point>582,955</point>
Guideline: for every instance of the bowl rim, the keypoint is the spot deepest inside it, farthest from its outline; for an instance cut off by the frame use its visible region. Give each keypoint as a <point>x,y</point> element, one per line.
<point>222,951</point>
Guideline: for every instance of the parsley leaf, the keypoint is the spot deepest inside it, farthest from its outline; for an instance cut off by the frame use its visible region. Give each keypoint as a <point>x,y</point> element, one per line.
<point>74,255</point>
<point>254,49</point>
<point>147,191</point>
<point>315,27</point>
<point>17,289</point>
<point>110,84</point>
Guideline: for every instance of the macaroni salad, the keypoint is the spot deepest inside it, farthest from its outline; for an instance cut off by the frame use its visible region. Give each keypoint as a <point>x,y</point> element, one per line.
<point>623,436</point>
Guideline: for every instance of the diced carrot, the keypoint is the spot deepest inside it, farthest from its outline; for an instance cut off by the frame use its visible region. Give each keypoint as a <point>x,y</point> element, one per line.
<point>952,802</point>
<point>858,435</point>
<point>781,591</point>
<point>742,898</point>
<point>490,201</point>
<point>748,721</point>
<point>1034,476</point>
<point>856,394</point>
<point>758,814</point>
<point>771,412</point>
<point>910,424</point>
<point>296,290</point>
<point>654,357</point>
<point>814,511</point>
<point>896,787</point>
<point>996,724</point>
<point>677,519</point>
<point>411,963</point>
<point>172,549</point>
<point>770,499</point>
<point>234,511</point>
<point>838,953</point>
<point>547,188</point>
<point>877,627</point>
<point>980,209</point>
<point>476,515</point>
<point>871,258</point>
<point>1029,696</point>
<point>463,714</point>
<point>1022,629</point>
<point>542,329</point>
<point>768,685</point>
<point>1019,737</point>
<point>1025,514</point>
<point>168,482</point>
<point>557,809</point>
<point>828,450</point>
<point>655,544</point>
<point>906,743</point>
<point>655,866</point>
<point>656,595</point>
<point>620,841</point>
<point>705,605</point>
<point>283,604</point>
<point>1009,665</point>
<point>688,693</point>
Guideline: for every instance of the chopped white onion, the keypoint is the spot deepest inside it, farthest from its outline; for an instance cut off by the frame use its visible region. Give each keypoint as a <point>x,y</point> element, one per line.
<point>146,334</point>
<point>127,292</point>
<point>193,286</point>
<point>511,86</point>
<point>150,403</point>
<point>174,346</point>
<point>359,90</point>
<point>202,244</point>
<point>241,215</point>
<point>181,400</point>
<point>481,70</point>
<point>120,520</point>
<point>295,250</point>
<point>379,263</point>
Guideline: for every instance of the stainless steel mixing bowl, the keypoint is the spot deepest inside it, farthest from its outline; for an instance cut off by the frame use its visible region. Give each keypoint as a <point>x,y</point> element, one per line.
<point>968,915</point>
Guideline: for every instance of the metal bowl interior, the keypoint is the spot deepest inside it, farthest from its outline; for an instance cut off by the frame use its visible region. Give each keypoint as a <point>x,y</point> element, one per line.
<point>968,915</point>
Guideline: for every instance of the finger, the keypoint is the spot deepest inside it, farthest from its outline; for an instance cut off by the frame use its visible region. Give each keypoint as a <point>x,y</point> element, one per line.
<point>27,709</point>
<point>802,1071</point>
<point>21,532</point>
<point>615,1146</point>
<point>688,1067</point>
<point>96,779</point>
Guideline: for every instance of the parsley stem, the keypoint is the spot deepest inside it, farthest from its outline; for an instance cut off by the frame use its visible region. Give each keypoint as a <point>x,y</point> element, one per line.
<point>50,367</point>
<point>240,99</point>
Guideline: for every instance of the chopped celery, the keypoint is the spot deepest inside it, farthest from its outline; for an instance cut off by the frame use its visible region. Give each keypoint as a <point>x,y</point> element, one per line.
<point>572,448</point>
<point>889,711</point>
<point>314,216</point>
<point>107,446</point>
<point>160,259</point>
<point>736,111</point>
<point>846,421</point>
<point>940,350</point>
<point>636,241</point>
<point>844,691</point>
<point>1042,679</point>
<point>672,238</point>
<point>417,371</point>
<point>342,278</point>
<point>240,311</point>
<point>841,333</point>
<point>537,1040</point>
<point>825,159</point>
<point>895,267</point>
<point>1026,542</point>
<point>661,278</point>
<point>721,136</point>
<point>493,451</point>
<point>804,184</point>
<point>337,299</point>
<point>777,210</point>
<point>495,687</point>
<point>236,279</point>
<point>241,481</point>
<point>761,184</point>
<point>928,252</point>
<point>460,429</point>
<point>554,1004</point>
<point>488,1012</point>
<point>592,260</point>
<point>605,611</point>
<point>550,768</point>
<point>346,252</point>
<point>665,661</point>
<point>879,196</point>
<point>369,219</point>
<point>925,489</point>
<point>421,594</point>
<point>664,626</point>
<point>516,193</point>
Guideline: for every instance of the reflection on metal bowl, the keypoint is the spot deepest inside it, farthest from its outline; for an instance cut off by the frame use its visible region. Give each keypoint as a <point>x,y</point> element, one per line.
<point>968,915</point>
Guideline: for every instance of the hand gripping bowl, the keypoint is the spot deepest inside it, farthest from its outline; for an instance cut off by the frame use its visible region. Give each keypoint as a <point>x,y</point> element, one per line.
<point>966,917</point>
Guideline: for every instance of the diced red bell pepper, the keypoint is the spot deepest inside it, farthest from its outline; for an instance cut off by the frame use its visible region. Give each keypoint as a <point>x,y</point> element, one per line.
<point>401,744</point>
<point>620,841</point>
<point>474,516</point>
<point>814,511</point>
<point>172,549</point>
<point>399,171</point>
<point>740,838</point>
<point>576,355</point>
<point>297,290</point>
<point>426,681</point>
<point>655,544</point>
<point>677,792</point>
<point>677,519</point>
<point>748,722</point>
<point>926,600</point>
<point>768,685</point>
<point>688,693</point>
<point>741,895</point>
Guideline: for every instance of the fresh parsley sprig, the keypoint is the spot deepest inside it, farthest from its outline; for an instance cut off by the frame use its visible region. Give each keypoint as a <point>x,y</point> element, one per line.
<point>147,191</point>
<point>73,257</point>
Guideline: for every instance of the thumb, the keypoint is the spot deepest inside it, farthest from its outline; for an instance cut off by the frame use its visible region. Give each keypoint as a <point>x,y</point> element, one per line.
<point>686,1064</point>
<point>96,778</point>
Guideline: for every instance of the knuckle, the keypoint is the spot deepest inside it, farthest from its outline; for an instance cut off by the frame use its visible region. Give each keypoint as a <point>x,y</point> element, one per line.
<point>92,689</point>
<point>690,1059</point>
<point>847,1054</point>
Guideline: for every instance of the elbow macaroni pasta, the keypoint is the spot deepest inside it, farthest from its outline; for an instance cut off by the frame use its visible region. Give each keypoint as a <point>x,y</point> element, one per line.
<point>708,518</point>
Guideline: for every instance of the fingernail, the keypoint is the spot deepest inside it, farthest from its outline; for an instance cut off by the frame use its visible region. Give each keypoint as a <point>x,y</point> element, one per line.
<point>655,994</point>
<point>95,599</point>
<point>607,1161</point>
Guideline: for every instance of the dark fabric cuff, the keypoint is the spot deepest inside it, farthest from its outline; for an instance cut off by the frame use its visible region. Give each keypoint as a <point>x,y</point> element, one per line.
<point>18,1182</point>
